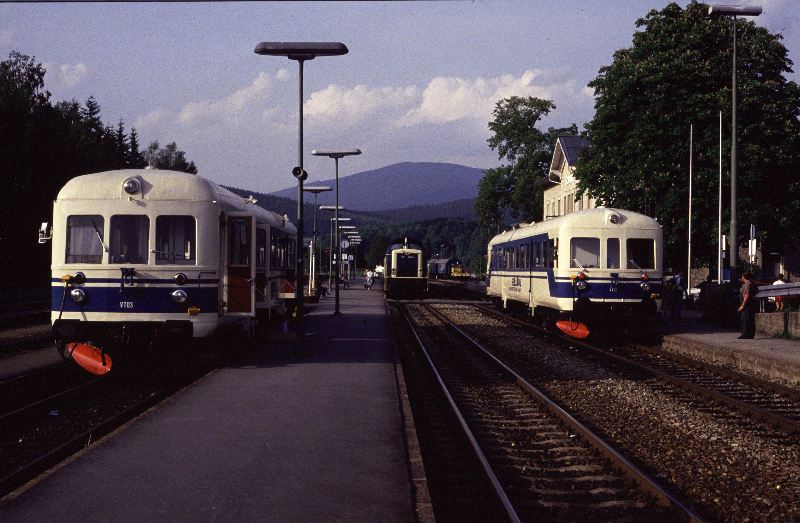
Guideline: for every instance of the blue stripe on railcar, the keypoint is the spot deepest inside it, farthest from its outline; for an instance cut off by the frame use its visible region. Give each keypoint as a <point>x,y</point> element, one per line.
<point>144,280</point>
<point>600,288</point>
<point>137,299</point>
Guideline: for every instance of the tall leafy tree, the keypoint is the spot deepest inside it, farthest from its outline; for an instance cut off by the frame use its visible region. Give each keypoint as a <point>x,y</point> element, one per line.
<point>677,73</point>
<point>514,188</point>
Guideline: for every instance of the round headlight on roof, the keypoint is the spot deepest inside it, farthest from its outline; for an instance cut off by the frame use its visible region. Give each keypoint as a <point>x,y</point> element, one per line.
<point>131,186</point>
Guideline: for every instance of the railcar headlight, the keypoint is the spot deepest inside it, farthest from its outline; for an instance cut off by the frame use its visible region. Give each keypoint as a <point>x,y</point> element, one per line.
<point>78,296</point>
<point>645,285</point>
<point>180,278</point>
<point>131,186</point>
<point>581,285</point>
<point>179,296</point>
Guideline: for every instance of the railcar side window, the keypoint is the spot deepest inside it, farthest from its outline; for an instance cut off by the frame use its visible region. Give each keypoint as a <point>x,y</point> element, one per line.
<point>641,252</point>
<point>584,252</point>
<point>85,239</point>
<point>261,248</point>
<point>612,253</point>
<point>175,240</point>
<point>129,236</point>
<point>239,242</point>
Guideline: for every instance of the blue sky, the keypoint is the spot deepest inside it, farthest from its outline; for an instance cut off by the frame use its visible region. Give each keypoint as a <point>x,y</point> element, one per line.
<point>418,84</point>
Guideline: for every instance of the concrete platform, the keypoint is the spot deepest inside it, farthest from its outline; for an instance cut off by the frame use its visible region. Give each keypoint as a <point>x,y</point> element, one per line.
<point>768,356</point>
<point>294,431</point>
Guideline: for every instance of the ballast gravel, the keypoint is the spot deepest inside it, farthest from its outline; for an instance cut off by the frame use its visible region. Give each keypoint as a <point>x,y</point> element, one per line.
<point>728,467</point>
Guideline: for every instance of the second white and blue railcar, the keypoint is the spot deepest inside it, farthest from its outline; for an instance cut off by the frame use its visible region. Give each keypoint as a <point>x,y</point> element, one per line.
<point>588,266</point>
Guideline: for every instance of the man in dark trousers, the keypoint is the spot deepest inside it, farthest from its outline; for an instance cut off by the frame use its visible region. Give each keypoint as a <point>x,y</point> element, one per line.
<point>747,307</point>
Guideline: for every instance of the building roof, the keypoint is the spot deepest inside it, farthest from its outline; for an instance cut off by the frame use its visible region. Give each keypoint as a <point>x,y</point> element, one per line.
<point>572,146</point>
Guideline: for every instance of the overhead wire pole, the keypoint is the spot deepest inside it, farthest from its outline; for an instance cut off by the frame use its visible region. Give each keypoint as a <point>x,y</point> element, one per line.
<point>734,11</point>
<point>689,260</point>
<point>719,211</point>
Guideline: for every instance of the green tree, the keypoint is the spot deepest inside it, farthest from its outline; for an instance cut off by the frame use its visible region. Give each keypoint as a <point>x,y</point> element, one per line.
<point>135,159</point>
<point>168,157</point>
<point>514,188</point>
<point>677,73</point>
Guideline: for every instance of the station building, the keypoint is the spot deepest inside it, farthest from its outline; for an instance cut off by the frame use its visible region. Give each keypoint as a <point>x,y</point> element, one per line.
<point>561,186</point>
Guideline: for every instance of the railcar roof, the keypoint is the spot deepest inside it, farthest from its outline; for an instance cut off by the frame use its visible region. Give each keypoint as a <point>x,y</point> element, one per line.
<point>586,219</point>
<point>163,185</point>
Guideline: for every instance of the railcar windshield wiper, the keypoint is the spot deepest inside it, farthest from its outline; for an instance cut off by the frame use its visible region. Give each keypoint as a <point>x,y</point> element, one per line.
<point>636,265</point>
<point>579,264</point>
<point>99,236</point>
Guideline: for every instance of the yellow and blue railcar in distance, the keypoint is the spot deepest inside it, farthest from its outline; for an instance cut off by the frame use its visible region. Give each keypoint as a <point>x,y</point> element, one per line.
<point>143,254</point>
<point>445,268</point>
<point>404,270</point>
<point>580,271</point>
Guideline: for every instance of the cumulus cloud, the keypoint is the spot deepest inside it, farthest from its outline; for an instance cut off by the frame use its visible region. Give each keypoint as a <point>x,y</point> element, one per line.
<point>448,99</point>
<point>229,108</point>
<point>152,119</point>
<point>442,101</point>
<point>71,75</point>
<point>337,103</point>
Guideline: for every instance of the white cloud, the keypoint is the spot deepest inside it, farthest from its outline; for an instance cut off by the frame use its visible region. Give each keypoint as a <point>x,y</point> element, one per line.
<point>448,99</point>
<point>282,75</point>
<point>152,119</point>
<point>6,37</point>
<point>71,75</point>
<point>343,105</point>
<point>229,108</point>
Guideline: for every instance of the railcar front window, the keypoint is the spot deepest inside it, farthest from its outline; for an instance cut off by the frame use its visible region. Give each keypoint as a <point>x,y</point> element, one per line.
<point>612,253</point>
<point>85,239</point>
<point>129,235</point>
<point>641,252</point>
<point>584,253</point>
<point>175,240</point>
<point>407,264</point>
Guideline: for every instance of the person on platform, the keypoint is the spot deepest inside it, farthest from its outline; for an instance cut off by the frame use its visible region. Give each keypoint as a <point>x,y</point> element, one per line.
<point>747,307</point>
<point>779,299</point>
<point>678,287</point>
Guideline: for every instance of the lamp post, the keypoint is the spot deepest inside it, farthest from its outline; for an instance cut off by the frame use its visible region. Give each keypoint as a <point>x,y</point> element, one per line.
<point>300,51</point>
<point>312,280</point>
<point>734,11</point>
<point>336,155</point>
<point>343,230</point>
<point>330,252</point>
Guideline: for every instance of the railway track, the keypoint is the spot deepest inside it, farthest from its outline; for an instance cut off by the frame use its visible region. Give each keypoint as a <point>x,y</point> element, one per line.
<point>43,424</point>
<point>542,463</point>
<point>769,403</point>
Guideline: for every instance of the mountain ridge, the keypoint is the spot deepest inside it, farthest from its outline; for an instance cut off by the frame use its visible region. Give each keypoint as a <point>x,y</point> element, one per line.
<point>400,185</point>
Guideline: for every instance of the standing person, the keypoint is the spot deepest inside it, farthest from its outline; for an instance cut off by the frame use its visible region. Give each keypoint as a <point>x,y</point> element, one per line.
<point>747,307</point>
<point>677,297</point>
<point>779,299</point>
<point>370,278</point>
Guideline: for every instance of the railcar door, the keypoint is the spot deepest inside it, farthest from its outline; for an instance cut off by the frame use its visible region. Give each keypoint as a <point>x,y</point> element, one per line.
<point>241,265</point>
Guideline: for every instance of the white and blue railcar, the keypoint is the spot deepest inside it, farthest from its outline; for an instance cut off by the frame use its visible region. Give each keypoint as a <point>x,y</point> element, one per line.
<point>140,253</point>
<point>589,266</point>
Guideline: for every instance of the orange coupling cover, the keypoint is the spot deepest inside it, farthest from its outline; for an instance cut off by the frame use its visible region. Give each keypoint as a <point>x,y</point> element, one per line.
<point>573,329</point>
<point>90,358</point>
